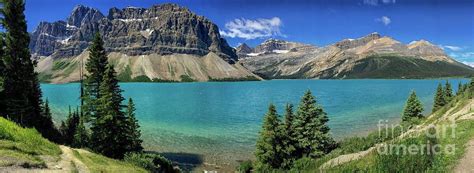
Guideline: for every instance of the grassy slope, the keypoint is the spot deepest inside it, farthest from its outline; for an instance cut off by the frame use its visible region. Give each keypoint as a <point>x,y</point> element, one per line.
<point>27,148</point>
<point>23,147</point>
<point>99,163</point>
<point>390,66</point>
<point>373,162</point>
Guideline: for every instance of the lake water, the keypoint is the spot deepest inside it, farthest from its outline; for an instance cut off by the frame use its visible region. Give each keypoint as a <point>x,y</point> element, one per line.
<point>219,121</point>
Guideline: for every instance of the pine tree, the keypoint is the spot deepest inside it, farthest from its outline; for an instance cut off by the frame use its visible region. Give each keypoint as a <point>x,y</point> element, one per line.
<point>48,129</point>
<point>269,150</point>
<point>95,66</point>
<point>134,142</point>
<point>2,65</point>
<point>289,141</point>
<point>311,130</point>
<point>68,128</point>
<point>21,97</point>
<point>413,108</point>
<point>448,92</point>
<point>81,136</point>
<point>470,88</point>
<point>439,100</point>
<point>460,89</point>
<point>109,128</point>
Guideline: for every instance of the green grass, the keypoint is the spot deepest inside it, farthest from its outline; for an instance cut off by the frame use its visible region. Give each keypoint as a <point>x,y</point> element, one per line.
<point>186,78</point>
<point>99,163</point>
<point>443,161</point>
<point>126,75</point>
<point>393,66</point>
<point>23,146</point>
<point>60,64</point>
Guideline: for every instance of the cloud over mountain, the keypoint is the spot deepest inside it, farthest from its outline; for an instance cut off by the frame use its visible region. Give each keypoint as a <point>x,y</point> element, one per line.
<point>252,29</point>
<point>385,20</point>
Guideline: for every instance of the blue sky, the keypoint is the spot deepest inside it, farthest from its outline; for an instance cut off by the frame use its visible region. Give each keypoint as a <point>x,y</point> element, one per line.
<point>449,23</point>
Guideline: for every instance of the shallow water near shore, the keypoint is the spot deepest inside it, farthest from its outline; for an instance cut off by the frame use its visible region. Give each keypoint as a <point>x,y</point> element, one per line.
<point>218,122</point>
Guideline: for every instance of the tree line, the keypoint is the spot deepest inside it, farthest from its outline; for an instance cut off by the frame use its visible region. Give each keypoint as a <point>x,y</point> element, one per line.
<point>305,134</point>
<point>103,123</point>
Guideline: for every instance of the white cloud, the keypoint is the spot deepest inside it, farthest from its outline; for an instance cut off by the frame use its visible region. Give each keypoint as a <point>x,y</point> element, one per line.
<point>252,29</point>
<point>468,63</point>
<point>378,2</point>
<point>385,20</point>
<point>453,48</point>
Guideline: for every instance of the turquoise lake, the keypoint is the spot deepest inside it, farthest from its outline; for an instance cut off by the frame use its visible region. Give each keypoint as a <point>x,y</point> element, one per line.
<point>219,121</point>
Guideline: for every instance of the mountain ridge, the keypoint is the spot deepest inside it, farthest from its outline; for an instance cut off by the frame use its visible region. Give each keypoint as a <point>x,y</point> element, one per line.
<point>339,60</point>
<point>164,42</point>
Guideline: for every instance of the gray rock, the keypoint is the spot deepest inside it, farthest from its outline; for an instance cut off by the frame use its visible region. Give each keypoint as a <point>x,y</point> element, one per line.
<point>161,29</point>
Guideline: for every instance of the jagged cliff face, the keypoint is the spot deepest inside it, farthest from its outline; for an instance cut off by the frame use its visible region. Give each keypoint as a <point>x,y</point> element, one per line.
<point>147,41</point>
<point>161,29</point>
<point>372,56</point>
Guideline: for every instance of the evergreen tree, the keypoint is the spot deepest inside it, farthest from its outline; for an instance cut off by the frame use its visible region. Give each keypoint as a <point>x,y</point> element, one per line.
<point>269,150</point>
<point>81,136</point>
<point>413,108</point>
<point>48,131</point>
<point>460,89</point>
<point>310,127</point>
<point>289,141</point>
<point>68,128</point>
<point>470,88</point>
<point>2,65</point>
<point>95,66</point>
<point>21,97</point>
<point>109,128</point>
<point>134,142</point>
<point>448,92</point>
<point>439,100</point>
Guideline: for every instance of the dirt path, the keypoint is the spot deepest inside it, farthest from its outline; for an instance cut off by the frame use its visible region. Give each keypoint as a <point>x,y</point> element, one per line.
<point>66,163</point>
<point>466,164</point>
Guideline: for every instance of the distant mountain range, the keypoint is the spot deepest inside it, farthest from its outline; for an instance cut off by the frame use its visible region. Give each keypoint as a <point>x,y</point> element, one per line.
<point>170,43</point>
<point>371,56</point>
<point>162,43</point>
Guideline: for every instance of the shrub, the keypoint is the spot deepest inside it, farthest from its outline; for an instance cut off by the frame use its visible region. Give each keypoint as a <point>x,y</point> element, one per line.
<point>245,167</point>
<point>151,162</point>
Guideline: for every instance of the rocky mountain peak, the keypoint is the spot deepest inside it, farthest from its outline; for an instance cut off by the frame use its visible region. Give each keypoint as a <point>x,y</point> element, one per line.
<point>161,29</point>
<point>425,48</point>
<point>82,14</point>
<point>243,49</point>
<point>352,43</point>
<point>272,45</point>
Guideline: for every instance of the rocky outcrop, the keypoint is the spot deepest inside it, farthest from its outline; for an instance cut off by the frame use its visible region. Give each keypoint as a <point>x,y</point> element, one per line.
<point>162,29</point>
<point>243,49</point>
<point>352,43</point>
<point>162,43</point>
<point>274,45</point>
<point>371,56</point>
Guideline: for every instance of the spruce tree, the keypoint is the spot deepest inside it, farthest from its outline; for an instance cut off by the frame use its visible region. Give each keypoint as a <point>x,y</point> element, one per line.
<point>269,150</point>
<point>460,89</point>
<point>289,141</point>
<point>448,92</point>
<point>439,100</point>
<point>109,128</point>
<point>95,66</point>
<point>310,127</point>
<point>134,142</point>
<point>48,129</point>
<point>68,128</point>
<point>413,108</point>
<point>470,88</point>
<point>81,136</point>
<point>2,65</point>
<point>21,97</point>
